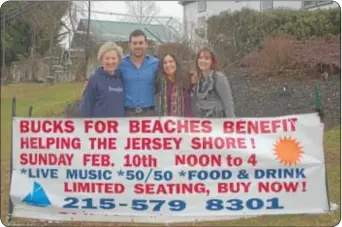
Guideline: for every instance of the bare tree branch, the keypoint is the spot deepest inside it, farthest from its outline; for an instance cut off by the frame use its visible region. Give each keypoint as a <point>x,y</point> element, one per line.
<point>142,11</point>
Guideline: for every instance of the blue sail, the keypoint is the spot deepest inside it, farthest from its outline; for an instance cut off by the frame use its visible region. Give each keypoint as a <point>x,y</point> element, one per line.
<point>37,197</point>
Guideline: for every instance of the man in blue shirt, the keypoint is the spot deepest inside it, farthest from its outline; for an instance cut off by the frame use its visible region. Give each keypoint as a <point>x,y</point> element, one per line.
<point>139,72</point>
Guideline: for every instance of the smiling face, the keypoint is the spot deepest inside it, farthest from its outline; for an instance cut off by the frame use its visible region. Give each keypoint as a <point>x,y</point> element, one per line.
<point>138,45</point>
<point>110,60</point>
<point>204,61</point>
<point>169,65</point>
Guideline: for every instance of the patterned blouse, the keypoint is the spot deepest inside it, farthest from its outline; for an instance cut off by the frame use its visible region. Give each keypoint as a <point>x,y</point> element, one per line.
<point>167,99</point>
<point>186,99</point>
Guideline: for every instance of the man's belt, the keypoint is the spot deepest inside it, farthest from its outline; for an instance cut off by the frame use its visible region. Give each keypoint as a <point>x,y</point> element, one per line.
<point>139,109</point>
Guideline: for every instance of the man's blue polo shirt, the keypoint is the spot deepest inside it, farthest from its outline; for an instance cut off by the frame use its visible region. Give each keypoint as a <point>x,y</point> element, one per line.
<point>139,82</point>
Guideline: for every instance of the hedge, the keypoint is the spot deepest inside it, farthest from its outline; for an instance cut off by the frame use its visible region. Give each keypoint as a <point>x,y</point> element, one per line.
<point>235,34</point>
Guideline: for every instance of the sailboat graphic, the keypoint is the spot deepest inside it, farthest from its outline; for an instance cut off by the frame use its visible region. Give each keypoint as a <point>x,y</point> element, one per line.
<point>37,197</point>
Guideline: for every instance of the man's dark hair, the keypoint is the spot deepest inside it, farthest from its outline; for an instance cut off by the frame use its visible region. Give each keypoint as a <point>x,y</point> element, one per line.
<point>136,33</point>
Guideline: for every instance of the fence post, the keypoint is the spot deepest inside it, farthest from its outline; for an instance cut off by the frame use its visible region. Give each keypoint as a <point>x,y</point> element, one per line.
<point>318,103</point>
<point>10,204</point>
<point>30,111</point>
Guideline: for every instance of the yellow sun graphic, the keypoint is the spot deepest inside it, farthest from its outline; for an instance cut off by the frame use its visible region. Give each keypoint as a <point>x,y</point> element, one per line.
<point>288,151</point>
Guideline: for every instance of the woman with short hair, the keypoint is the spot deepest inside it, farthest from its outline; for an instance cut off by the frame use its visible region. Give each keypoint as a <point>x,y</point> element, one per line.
<point>103,96</point>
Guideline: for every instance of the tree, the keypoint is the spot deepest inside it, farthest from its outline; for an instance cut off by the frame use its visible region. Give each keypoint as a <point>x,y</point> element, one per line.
<point>29,29</point>
<point>15,31</point>
<point>24,24</point>
<point>47,18</point>
<point>142,11</point>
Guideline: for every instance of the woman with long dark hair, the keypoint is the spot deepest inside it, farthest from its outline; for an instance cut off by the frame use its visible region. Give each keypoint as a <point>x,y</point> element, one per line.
<point>212,91</point>
<point>173,88</point>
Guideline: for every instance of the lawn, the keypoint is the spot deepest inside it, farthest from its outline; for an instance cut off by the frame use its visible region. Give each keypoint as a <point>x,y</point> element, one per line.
<point>48,100</point>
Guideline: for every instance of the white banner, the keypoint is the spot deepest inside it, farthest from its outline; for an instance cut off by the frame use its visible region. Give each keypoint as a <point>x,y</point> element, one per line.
<point>167,169</point>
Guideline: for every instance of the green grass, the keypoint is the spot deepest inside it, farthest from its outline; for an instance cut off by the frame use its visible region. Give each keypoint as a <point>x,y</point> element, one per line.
<point>50,100</point>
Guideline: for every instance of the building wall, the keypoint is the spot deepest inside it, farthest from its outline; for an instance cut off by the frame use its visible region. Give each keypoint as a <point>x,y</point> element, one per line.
<point>288,4</point>
<point>213,7</point>
<point>192,15</point>
<point>255,5</point>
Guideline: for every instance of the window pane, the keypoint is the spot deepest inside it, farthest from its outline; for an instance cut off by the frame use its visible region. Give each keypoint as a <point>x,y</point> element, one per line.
<point>202,6</point>
<point>323,2</point>
<point>201,22</point>
<point>309,3</point>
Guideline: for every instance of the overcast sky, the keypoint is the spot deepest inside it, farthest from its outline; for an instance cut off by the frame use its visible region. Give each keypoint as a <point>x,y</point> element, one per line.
<point>167,8</point>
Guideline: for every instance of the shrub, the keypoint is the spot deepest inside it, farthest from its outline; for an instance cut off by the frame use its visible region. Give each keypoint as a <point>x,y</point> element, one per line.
<point>276,53</point>
<point>233,35</point>
<point>286,54</point>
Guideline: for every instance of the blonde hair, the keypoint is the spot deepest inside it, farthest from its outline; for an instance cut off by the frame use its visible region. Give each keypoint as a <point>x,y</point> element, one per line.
<point>109,46</point>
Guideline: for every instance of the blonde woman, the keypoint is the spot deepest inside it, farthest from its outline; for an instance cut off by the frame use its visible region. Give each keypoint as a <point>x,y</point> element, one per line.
<point>103,96</point>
